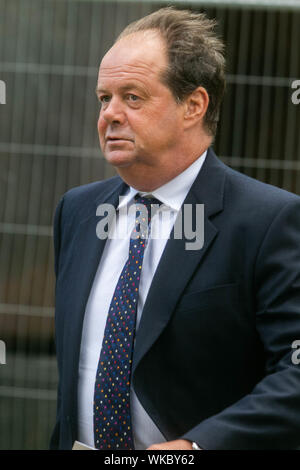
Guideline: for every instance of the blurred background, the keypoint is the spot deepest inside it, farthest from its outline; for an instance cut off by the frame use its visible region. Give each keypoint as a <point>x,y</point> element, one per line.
<point>49,54</point>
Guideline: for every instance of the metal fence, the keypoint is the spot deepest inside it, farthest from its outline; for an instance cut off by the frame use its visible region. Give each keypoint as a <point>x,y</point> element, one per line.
<point>49,54</point>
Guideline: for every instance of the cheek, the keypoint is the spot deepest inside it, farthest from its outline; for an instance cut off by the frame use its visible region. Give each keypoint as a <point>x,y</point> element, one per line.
<point>101,126</point>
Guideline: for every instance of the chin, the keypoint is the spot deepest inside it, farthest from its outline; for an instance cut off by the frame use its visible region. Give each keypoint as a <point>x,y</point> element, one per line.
<point>119,159</point>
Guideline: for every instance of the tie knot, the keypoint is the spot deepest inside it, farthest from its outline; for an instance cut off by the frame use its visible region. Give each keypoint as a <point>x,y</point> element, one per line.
<point>146,207</point>
<point>150,203</point>
<point>146,201</point>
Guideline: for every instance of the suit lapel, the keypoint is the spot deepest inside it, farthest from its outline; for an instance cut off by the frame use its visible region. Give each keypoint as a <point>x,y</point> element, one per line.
<point>178,264</point>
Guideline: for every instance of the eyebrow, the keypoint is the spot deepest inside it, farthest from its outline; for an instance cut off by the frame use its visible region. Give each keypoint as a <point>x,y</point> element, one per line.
<point>123,88</point>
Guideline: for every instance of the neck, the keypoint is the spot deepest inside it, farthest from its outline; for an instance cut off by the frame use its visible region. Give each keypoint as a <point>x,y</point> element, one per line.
<point>147,178</point>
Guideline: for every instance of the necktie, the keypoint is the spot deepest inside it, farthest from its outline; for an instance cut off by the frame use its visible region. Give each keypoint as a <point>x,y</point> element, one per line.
<point>112,419</point>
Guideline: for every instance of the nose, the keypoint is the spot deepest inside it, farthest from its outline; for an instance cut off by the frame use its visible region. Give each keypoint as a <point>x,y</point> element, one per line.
<point>113,112</point>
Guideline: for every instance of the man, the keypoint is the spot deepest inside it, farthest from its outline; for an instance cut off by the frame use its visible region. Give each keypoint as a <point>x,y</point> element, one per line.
<point>209,363</point>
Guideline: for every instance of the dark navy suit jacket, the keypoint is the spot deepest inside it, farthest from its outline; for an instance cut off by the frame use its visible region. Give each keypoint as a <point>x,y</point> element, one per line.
<point>213,355</point>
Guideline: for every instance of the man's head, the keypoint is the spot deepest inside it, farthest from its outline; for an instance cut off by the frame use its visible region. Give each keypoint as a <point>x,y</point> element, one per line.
<point>158,116</point>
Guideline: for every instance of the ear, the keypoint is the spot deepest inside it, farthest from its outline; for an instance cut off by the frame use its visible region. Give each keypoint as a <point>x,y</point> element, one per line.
<point>196,105</point>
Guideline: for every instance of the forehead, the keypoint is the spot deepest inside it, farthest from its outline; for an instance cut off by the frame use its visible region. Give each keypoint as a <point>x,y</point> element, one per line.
<point>139,56</point>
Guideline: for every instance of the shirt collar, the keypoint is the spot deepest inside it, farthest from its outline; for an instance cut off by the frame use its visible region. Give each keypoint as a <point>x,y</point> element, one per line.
<point>173,193</point>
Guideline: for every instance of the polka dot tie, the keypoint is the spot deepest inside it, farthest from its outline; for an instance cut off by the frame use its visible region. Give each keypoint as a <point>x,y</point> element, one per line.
<point>112,419</point>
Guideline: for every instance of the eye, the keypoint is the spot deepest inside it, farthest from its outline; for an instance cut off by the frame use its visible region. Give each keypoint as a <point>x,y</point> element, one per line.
<point>104,99</point>
<point>132,97</point>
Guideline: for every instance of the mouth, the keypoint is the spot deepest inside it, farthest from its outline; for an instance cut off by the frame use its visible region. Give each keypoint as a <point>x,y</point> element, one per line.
<point>117,139</point>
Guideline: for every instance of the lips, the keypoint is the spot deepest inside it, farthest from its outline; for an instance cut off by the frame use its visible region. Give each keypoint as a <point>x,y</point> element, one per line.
<point>116,138</point>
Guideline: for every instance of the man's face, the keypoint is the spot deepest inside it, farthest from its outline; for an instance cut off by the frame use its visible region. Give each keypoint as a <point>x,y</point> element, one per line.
<point>140,123</point>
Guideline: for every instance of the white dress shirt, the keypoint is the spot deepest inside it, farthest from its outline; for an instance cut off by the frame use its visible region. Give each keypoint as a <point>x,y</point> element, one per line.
<point>114,256</point>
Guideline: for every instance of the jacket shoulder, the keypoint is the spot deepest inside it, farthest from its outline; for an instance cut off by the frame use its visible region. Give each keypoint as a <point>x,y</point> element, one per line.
<point>92,190</point>
<point>79,200</point>
<point>250,191</point>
